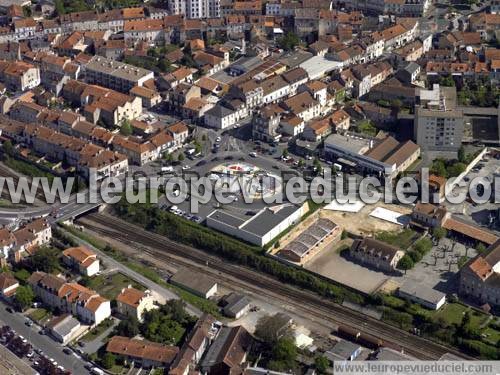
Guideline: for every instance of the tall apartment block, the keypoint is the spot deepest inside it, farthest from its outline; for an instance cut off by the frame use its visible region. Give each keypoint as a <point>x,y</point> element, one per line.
<point>195,8</point>
<point>438,124</point>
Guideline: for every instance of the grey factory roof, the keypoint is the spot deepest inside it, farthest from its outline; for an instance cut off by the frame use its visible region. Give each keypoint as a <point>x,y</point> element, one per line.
<point>227,218</point>
<point>197,282</point>
<point>353,144</point>
<point>117,69</point>
<point>342,350</point>
<point>414,288</point>
<point>268,218</point>
<point>260,223</point>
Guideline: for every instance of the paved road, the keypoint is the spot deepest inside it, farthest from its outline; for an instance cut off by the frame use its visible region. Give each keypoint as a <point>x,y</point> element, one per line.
<point>111,263</point>
<point>43,342</point>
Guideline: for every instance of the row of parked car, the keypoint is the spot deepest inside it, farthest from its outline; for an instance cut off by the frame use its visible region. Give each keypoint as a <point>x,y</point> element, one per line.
<point>186,215</point>
<point>18,345</point>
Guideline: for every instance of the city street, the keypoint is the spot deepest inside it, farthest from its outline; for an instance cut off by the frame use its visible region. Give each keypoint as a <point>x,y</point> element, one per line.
<point>51,348</point>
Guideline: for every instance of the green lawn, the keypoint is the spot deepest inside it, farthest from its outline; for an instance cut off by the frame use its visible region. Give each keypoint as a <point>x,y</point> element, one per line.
<point>453,314</point>
<point>402,239</point>
<point>40,315</point>
<point>492,336</point>
<point>109,286</point>
<point>97,331</point>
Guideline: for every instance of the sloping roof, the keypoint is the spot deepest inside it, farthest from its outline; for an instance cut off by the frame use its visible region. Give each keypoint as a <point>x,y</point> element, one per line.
<point>7,280</point>
<point>142,349</point>
<point>80,253</point>
<point>130,296</point>
<point>376,248</point>
<point>470,230</point>
<point>197,282</point>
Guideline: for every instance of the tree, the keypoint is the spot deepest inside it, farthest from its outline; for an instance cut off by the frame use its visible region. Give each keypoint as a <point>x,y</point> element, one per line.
<point>164,65</point>
<point>108,360</point>
<point>24,297</point>
<point>439,233</point>
<point>128,327</point>
<point>366,127</point>
<point>197,148</point>
<point>126,128</point>
<point>285,153</point>
<point>289,41</point>
<point>285,352</point>
<point>415,256</point>
<point>423,246</point>
<point>405,263</point>
<point>168,157</point>
<point>271,328</point>
<point>45,259</point>
<point>480,248</point>
<point>8,147</point>
<point>462,157</point>
<point>322,364</point>
<point>438,168</point>
<point>180,158</point>
<point>59,6</point>
<point>455,169</point>
<point>447,81</point>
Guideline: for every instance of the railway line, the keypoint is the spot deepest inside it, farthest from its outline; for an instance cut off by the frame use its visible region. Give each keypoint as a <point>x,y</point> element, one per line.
<point>162,248</point>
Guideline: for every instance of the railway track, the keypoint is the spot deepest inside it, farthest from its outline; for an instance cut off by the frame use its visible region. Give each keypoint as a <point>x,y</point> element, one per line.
<point>5,172</point>
<point>162,248</point>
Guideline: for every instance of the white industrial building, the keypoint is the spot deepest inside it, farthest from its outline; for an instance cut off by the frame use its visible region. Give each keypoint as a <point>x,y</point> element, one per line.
<point>260,228</point>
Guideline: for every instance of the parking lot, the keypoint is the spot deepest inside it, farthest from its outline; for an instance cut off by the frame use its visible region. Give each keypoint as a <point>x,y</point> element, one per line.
<point>35,349</point>
<point>482,214</point>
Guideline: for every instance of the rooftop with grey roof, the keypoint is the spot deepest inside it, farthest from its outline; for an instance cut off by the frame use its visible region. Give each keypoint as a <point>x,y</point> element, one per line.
<point>118,69</point>
<point>267,219</point>
<point>350,143</point>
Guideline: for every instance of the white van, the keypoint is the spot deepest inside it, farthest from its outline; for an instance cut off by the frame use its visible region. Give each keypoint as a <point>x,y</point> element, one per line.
<point>169,169</point>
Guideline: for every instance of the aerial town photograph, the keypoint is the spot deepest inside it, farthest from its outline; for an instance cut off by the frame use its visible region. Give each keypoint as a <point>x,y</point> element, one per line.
<point>257,187</point>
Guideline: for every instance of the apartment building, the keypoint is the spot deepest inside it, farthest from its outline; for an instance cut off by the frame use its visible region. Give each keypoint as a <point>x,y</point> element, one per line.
<point>133,303</point>
<point>16,243</point>
<point>100,103</point>
<point>438,124</point>
<point>149,31</point>
<point>114,19</point>
<point>86,157</point>
<point>84,303</point>
<point>115,75</point>
<point>303,105</point>
<point>266,123</point>
<point>82,259</point>
<point>202,8</point>
<point>19,75</point>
